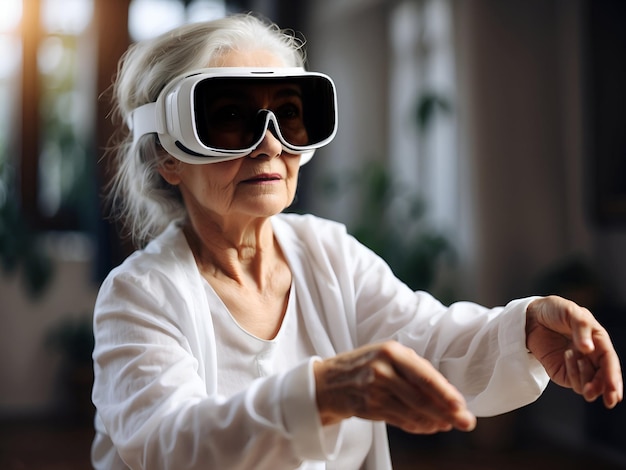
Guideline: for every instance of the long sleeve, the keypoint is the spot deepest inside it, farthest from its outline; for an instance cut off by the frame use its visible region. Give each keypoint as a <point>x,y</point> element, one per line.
<point>481,351</point>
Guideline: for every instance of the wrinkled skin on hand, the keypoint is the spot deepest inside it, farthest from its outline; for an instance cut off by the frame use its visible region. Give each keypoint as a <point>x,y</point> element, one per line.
<point>389,382</point>
<point>575,349</point>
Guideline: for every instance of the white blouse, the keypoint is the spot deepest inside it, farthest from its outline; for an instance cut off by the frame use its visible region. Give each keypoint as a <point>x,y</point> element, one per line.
<point>165,400</point>
<point>243,357</point>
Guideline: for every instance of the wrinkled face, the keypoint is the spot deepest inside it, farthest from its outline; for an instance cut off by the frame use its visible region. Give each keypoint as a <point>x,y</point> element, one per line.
<point>261,184</point>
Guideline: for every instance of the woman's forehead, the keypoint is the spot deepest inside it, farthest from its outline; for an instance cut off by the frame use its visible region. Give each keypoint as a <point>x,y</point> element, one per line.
<point>248,58</point>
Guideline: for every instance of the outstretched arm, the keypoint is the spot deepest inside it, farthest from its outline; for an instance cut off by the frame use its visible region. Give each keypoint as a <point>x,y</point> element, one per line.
<point>574,348</point>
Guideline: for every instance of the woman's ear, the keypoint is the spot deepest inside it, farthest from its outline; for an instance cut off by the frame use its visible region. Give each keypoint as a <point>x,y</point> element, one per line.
<point>169,169</point>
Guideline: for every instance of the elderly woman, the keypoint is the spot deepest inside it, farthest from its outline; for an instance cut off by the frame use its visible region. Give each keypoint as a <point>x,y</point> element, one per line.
<point>240,337</point>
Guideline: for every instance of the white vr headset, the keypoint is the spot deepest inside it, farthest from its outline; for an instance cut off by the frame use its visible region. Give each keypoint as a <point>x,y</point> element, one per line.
<point>218,114</point>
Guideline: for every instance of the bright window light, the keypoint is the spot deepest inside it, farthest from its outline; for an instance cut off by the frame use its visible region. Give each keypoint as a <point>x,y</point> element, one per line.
<point>11,15</point>
<point>66,16</point>
<point>11,53</point>
<point>203,10</point>
<point>149,18</point>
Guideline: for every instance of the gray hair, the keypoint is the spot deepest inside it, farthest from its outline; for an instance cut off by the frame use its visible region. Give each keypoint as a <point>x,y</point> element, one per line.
<point>137,194</point>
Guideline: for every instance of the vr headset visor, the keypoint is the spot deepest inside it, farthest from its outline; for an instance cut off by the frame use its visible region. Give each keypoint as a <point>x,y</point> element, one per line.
<point>218,114</point>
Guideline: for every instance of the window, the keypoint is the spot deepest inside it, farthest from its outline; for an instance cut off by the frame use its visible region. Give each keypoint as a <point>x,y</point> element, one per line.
<point>148,18</point>
<point>423,145</point>
<point>46,79</point>
<point>65,70</point>
<point>10,51</point>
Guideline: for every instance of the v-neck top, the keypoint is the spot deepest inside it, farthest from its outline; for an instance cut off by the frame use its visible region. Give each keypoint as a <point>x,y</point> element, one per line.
<point>243,357</point>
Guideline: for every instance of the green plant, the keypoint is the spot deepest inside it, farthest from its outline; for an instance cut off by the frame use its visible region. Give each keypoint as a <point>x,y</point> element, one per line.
<point>428,104</point>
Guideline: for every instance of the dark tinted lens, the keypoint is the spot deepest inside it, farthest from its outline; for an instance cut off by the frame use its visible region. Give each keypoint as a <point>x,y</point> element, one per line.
<point>225,115</point>
<point>226,110</point>
<point>318,100</point>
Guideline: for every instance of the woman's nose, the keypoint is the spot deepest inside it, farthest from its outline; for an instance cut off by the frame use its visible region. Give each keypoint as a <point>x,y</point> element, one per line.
<point>270,146</point>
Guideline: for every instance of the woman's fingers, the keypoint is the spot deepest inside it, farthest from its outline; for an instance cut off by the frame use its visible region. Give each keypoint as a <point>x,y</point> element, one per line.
<point>580,372</point>
<point>567,338</point>
<point>388,382</point>
<point>572,371</point>
<point>589,380</point>
<point>421,405</point>
<point>437,398</point>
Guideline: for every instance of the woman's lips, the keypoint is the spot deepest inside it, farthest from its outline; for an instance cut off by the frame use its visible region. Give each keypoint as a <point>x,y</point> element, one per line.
<point>263,178</point>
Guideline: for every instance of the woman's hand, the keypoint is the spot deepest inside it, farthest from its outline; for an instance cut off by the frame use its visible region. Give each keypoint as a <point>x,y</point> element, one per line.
<point>389,382</point>
<point>574,348</point>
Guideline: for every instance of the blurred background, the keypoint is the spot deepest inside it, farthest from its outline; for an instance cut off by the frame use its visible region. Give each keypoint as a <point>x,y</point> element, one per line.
<point>481,150</point>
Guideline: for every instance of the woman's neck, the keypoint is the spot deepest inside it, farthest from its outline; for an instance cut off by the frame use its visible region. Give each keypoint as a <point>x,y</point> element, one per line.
<point>245,252</point>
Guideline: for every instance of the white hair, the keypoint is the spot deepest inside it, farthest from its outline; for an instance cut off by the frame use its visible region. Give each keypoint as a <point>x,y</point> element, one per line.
<point>137,194</point>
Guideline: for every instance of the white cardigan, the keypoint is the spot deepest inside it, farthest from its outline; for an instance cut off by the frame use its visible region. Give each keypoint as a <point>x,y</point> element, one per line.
<point>155,360</point>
